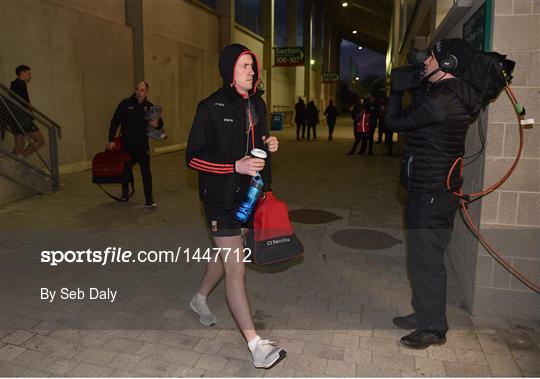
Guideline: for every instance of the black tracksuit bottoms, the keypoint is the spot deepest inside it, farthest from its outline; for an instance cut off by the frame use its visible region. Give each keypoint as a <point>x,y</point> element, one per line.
<point>300,126</point>
<point>430,221</point>
<point>142,157</point>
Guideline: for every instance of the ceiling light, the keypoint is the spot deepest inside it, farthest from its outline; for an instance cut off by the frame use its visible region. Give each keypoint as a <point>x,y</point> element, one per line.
<point>357,78</point>
<point>359,47</point>
<point>354,31</point>
<point>312,61</point>
<point>344,4</point>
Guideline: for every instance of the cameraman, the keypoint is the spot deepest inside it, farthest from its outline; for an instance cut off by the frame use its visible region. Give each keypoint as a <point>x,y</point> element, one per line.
<point>435,125</point>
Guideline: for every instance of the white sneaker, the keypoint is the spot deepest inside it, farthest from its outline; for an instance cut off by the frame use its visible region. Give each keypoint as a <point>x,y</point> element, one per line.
<point>157,134</point>
<point>267,354</point>
<point>206,317</point>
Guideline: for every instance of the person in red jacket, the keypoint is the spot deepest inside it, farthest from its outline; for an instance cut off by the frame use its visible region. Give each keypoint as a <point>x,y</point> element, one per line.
<point>227,126</point>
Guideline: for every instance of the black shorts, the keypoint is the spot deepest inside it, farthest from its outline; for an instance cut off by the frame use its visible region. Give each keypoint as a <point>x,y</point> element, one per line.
<point>26,125</point>
<point>222,222</point>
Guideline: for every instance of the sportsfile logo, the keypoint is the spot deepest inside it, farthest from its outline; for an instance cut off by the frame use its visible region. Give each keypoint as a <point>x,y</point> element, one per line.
<point>278,241</point>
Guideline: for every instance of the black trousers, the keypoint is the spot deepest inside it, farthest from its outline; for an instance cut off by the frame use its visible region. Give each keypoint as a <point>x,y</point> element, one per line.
<point>142,157</point>
<point>314,127</point>
<point>331,126</point>
<point>380,133</point>
<point>388,140</point>
<point>430,221</point>
<point>302,126</point>
<point>367,141</point>
<point>357,138</point>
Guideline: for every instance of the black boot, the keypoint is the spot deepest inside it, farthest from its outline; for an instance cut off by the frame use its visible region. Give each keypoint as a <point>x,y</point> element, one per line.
<point>406,322</point>
<point>421,339</point>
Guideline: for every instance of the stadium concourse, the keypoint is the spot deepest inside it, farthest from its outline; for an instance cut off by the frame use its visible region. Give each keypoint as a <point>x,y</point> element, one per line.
<point>331,311</point>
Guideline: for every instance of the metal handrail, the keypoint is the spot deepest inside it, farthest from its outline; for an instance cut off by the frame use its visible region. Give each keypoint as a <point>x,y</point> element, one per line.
<point>46,120</point>
<point>11,104</point>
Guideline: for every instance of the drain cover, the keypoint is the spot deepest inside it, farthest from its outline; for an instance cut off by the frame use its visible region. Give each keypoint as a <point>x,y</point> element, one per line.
<point>312,216</point>
<point>364,239</point>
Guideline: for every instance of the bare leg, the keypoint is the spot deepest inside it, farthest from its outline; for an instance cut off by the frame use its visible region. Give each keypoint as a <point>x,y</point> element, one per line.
<point>235,287</point>
<point>20,142</point>
<point>214,272</point>
<point>37,142</point>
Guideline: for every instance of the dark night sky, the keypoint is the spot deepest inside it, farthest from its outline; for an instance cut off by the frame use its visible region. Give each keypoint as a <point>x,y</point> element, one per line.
<point>367,61</point>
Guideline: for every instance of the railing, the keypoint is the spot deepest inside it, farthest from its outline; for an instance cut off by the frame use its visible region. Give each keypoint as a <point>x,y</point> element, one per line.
<point>20,122</point>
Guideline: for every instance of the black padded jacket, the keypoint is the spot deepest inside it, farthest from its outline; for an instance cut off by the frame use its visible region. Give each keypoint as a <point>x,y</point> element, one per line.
<point>435,127</point>
<point>221,135</point>
<point>129,115</point>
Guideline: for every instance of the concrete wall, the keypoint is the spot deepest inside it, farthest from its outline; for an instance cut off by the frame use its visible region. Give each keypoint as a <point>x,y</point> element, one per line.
<point>10,191</point>
<point>181,49</point>
<point>463,246</point>
<point>81,65</point>
<point>282,93</point>
<point>511,216</point>
<point>110,10</point>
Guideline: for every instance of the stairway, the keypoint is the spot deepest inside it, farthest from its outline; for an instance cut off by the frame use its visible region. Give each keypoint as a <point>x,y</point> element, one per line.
<point>39,170</point>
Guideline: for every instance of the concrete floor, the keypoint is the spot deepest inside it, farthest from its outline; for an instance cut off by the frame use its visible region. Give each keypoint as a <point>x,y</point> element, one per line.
<point>332,311</point>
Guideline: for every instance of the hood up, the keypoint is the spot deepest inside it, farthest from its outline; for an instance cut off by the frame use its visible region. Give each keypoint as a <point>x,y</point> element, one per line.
<point>227,63</point>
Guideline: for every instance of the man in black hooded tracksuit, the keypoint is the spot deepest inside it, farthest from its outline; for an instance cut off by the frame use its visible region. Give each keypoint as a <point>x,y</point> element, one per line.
<point>435,126</point>
<point>130,116</point>
<point>227,126</point>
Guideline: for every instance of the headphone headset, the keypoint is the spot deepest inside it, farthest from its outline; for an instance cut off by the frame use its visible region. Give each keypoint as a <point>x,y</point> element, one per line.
<point>448,62</point>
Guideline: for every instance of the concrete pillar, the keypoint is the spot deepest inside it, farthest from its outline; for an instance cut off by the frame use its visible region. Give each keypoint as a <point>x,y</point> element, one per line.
<point>134,18</point>
<point>307,49</point>
<point>329,58</point>
<point>318,55</point>
<point>268,34</point>
<point>292,6</point>
<point>226,22</point>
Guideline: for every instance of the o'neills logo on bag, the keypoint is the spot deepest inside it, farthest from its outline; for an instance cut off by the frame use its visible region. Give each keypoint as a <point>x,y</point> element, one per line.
<point>278,241</point>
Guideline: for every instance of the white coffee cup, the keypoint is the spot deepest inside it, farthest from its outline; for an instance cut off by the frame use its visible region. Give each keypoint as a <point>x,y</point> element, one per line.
<point>258,153</point>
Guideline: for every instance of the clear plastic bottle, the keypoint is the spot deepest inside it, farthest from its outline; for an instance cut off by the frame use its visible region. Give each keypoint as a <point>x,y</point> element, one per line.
<point>246,207</point>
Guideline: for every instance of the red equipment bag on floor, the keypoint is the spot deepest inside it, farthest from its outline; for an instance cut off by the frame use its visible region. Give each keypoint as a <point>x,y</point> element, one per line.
<point>272,239</point>
<point>362,124</point>
<point>113,166</point>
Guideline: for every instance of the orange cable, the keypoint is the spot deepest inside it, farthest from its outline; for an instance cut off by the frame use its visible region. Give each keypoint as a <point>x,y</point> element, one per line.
<point>465,198</point>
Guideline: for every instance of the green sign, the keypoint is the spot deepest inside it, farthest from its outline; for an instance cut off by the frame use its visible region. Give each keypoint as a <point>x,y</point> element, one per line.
<point>289,56</point>
<point>330,77</point>
<point>477,28</point>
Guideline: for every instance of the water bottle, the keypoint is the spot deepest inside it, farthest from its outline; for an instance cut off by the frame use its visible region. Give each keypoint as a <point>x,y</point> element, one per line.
<point>244,211</point>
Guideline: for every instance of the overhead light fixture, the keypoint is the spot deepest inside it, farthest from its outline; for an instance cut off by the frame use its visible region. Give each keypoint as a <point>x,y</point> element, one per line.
<point>344,4</point>
<point>354,31</point>
<point>359,47</point>
<point>312,61</point>
<point>357,78</point>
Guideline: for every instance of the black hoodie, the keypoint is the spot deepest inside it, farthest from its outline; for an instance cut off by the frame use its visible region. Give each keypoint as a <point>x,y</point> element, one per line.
<point>219,137</point>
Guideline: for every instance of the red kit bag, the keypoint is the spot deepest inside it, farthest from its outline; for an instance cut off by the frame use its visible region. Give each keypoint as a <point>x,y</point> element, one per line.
<point>362,125</point>
<point>272,239</point>
<point>112,166</point>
